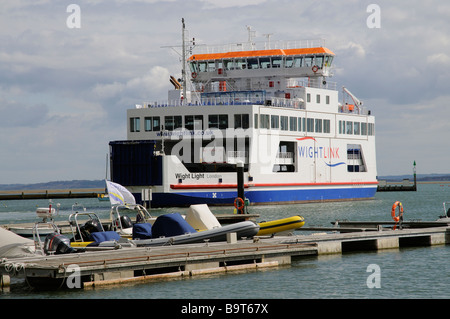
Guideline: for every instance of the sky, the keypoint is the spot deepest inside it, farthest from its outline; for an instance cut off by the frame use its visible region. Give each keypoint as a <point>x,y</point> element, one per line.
<point>67,76</point>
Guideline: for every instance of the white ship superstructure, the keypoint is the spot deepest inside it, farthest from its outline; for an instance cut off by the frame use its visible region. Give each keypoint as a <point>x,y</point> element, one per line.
<point>269,106</point>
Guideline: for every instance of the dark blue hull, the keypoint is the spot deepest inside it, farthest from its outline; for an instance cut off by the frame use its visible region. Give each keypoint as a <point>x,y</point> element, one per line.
<point>260,196</point>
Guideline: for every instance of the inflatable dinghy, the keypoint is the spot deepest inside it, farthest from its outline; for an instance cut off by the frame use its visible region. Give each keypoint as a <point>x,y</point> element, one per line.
<point>280,225</point>
<point>13,245</point>
<point>173,229</point>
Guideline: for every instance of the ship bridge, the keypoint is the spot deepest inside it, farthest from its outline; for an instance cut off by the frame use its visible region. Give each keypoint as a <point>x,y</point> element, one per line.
<point>269,69</point>
<point>286,63</point>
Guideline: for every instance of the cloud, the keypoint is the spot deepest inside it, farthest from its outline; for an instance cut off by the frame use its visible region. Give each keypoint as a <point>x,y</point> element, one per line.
<point>16,114</point>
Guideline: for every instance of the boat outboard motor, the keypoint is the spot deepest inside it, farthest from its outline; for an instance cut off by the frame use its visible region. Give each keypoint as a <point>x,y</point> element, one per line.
<point>57,244</point>
<point>126,221</point>
<point>92,226</point>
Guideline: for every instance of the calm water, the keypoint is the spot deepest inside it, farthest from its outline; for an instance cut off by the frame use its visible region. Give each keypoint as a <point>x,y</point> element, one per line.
<point>420,272</point>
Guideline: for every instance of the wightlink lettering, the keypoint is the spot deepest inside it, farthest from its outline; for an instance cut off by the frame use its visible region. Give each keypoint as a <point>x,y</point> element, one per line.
<point>318,152</point>
<point>193,176</point>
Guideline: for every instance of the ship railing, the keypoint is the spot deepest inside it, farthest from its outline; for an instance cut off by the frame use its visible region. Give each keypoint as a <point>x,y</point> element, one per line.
<point>353,109</point>
<point>283,102</point>
<point>312,83</point>
<point>259,45</point>
<point>294,103</point>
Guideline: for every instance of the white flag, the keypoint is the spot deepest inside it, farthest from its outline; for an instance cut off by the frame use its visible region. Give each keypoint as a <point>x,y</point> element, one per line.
<point>119,195</point>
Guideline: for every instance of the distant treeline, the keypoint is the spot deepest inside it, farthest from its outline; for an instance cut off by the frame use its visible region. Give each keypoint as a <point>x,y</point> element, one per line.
<point>55,185</point>
<point>420,178</point>
<point>101,183</point>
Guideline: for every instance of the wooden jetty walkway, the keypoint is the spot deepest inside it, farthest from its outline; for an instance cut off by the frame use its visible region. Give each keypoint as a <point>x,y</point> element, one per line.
<point>128,265</point>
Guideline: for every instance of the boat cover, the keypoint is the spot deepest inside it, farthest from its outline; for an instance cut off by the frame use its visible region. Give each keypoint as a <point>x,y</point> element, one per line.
<point>99,237</point>
<point>142,231</point>
<point>201,218</point>
<point>13,245</point>
<point>171,225</point>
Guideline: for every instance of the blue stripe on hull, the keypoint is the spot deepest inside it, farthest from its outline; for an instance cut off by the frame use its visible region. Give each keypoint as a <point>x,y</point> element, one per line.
<point>260,196</point>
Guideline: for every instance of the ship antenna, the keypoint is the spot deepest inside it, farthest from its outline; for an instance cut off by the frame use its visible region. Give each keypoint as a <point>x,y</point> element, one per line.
<point>183,71</point>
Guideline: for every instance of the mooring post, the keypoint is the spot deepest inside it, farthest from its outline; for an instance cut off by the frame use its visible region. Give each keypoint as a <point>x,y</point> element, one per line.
<point>240,182</point>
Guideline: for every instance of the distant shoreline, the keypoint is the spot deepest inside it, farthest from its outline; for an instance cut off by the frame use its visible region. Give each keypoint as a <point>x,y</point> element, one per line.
<point>76,185</point>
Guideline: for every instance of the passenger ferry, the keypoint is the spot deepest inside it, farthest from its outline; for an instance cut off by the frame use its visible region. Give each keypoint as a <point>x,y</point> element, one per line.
<point>266,105</point>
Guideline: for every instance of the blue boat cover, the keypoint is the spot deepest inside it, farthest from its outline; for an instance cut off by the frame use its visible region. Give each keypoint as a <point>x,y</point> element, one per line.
<point>142,231</point>
<point>99,237</point>
<point>171,225</point>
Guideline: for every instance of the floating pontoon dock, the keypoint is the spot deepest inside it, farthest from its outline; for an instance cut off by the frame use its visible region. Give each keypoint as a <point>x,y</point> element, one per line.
<point>52,193</point>
<point>126,265</point>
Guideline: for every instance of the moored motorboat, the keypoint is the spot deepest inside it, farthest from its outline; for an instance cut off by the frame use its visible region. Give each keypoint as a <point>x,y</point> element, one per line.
<point>43,227</point>
<point>180,232</point>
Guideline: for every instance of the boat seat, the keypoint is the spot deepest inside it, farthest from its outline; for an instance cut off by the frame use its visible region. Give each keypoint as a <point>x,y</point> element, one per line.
<point>171,225</point>
<point>99,237</point>
<point>142,231</point>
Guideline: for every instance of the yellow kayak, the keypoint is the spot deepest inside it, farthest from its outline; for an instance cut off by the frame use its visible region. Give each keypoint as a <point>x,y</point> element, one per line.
<point>279,225</point>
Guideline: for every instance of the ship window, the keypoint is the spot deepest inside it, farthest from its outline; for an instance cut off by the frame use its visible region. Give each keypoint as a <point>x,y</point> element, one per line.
<point>356,128</point>
<point>194,66</point>
<point>363,128</point>
<point>326,126</point>
<point>308,61</point>
<point>276,62</point>
<point>253,63</point>
<point>211,66</point>
<point>319,61</point>
<point>310,125</point>
<point>241,64</point>
<point>135,124</point>
<point>318,125</point>
<point>264,121</point>
<point>327,99</point>
<point>193,122</point>
<point>219,121</point>
<point>371,129</point>
<point>152,123</point>
<point>241,121</point>
<point>228,64</point>
<point>202,66</point>
<point>308,97</point>
<point>264,63</point>
<point>318,98</point>
<point>255,121</point>
<point>275,121</point>
<point>328,60</point>
<point>284,123</point>
<point>298,62</point>
<point>355,159</point>
<point>292,123</point>
<point>349,129</point>
<point>302,124</point>
<point>289,62</point>
<point>172,123</point>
